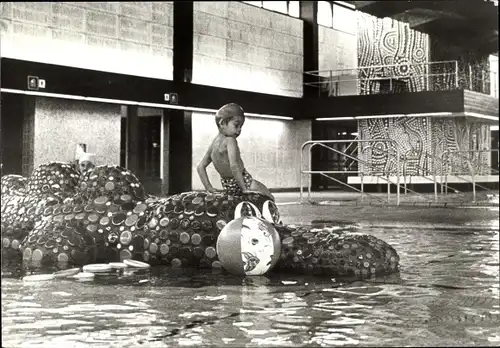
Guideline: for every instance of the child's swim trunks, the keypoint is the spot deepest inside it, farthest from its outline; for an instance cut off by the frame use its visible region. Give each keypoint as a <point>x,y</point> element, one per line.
<point>231,186</point>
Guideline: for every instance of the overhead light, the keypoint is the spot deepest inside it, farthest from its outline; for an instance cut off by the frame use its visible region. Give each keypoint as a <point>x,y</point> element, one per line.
<point>41,94</point>
<point>268,116</point>
<point>493,128</point>
<point>425,114</point>
<point>379,116</point>
<point>334,118</point>
<point>130,102</point>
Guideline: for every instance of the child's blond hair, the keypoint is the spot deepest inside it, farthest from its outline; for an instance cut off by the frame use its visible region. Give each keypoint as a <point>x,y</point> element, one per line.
<point>228,112</point>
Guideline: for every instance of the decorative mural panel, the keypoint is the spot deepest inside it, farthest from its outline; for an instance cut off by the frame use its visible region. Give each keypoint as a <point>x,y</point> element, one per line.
<point>409,135</point>
<point>389,42</point>
<point>461,146</point>
<point>449,145</point>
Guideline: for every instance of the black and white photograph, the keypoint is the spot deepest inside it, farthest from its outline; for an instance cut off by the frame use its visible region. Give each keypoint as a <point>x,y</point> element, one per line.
<point>249,174</point>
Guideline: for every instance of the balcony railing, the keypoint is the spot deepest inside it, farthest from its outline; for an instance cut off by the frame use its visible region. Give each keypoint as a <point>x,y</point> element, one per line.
<point>397,78</point>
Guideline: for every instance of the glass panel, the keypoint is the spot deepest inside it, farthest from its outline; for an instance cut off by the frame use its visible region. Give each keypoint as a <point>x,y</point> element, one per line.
<point>279,6</point>
<point>325,13</point>
<point>294,8</point>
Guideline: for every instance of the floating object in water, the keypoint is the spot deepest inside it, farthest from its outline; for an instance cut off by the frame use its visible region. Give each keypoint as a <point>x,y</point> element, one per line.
<point>136,264</point>
<point>248,246</point>
<point>67,273</point>
<point>84,276</point>
<point>118,265</point>
<point>38,278</point>
<point>107,217</point>
<point>97,268</point>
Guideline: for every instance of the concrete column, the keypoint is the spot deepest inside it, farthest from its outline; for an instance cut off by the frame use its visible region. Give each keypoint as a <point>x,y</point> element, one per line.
<point>180,152</point>
<point>183,41</point>
<point>165,154</point>
<point>132,158</point>
<point>309,14</point>
<point>179,122</point>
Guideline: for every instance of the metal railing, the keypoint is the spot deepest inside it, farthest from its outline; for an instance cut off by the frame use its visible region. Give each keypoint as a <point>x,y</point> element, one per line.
<point>412,77</point>
<point>366,169</point>
<point>471,168</point>
<point>312,143</point>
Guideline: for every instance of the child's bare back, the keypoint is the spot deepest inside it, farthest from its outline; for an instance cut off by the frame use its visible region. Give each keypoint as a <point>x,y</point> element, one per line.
<point>224,153</point>
<point>220,158</point>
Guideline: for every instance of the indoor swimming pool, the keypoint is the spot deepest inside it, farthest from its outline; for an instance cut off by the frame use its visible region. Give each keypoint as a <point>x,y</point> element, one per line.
<point>446,294</point>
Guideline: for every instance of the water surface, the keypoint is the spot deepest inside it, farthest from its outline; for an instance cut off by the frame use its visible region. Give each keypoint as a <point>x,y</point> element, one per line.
<point>446,294</point>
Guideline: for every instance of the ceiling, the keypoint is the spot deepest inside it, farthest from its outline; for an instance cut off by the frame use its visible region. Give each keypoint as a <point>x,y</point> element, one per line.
<point>472,23</point>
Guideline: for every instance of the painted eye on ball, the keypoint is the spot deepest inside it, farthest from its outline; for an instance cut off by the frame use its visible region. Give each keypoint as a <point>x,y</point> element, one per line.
<point>270,212</point>
<point>246,209</point>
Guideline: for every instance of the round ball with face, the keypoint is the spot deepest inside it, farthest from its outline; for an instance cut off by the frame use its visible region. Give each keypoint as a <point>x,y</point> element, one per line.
<point>248,246</point>
<point>258,205</point>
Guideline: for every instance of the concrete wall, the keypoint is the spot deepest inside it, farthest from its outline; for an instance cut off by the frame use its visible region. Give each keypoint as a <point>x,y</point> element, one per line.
<point>62,124</point>
<point>134,38</point>
<point>337,50</point>
<point>270,149</point>
<point>240,46</point>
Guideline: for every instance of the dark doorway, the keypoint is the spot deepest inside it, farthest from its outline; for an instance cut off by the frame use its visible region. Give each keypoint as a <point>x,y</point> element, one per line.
<point>12,115</point>
<point>494,154</point>
<point>323,159</point>
<point>149,153</point>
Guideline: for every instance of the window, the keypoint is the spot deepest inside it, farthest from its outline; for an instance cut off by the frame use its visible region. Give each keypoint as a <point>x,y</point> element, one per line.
<point>294,8</point>
<point>325,15</point>
<point>344,19</point>
<point>278,6</point>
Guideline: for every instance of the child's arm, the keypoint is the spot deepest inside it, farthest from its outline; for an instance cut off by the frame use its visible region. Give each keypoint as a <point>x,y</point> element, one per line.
<point>233,153</point>
<point>202,169</point>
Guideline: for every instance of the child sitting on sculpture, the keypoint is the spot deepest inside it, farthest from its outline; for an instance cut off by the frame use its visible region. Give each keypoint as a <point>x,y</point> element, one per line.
<point>224,153</point>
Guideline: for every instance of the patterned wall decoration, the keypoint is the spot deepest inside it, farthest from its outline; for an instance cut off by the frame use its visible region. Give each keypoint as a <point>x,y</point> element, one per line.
<point>409,135</point>
<point>422,143</point>
<point>467,145</point>
<point>389,42</point>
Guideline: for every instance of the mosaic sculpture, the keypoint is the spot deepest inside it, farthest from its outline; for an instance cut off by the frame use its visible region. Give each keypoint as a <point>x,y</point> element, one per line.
<point>63,218</point>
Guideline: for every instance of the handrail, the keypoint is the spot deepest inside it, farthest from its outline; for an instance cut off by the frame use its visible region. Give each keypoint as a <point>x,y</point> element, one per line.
<point>471,168</point>
<point>392,77</point>
<point>322,143</point>
<point>311,72</point>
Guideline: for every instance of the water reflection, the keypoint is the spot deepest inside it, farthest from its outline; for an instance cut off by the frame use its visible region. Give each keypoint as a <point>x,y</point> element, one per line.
<point>446,294</point>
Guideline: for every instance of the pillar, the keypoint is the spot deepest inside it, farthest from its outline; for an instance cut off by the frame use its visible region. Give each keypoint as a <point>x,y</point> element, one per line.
<point>179,121</point>
<point>310,42</point>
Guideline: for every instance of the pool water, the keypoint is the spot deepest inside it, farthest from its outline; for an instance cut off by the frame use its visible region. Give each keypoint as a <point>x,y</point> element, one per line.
<point>446,294</point>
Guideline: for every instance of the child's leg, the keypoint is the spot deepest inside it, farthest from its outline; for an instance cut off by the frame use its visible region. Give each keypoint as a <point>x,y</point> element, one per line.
<point>260,187</point>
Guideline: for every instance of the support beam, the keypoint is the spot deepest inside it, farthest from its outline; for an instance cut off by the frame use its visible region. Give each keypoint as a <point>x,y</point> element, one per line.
<point>183,41</point>
<point>310,40</point>
<point>132,158</point>
<point>181,152</point>
<point>165,153</point>
<point>180,130</point>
